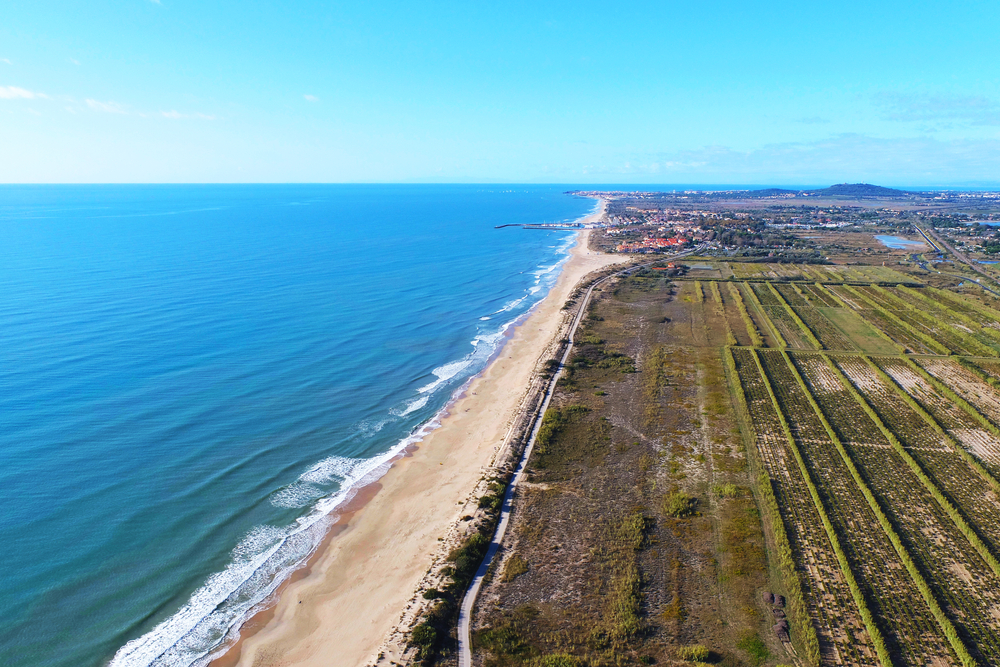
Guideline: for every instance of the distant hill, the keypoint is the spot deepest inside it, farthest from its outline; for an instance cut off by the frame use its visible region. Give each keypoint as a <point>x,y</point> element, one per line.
<point>858,190</point>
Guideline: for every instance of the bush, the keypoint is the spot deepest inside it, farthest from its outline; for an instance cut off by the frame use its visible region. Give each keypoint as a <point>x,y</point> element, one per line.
<point>679,504</point>
<point>754,647</point>
<point>727,490</point>
<point>490,502</point>
<point>515,567</point>
<point>558,660</point>
<point>432,594</point>
<point>423,636</point>
<point>693,653</point>
<point>503,640</point>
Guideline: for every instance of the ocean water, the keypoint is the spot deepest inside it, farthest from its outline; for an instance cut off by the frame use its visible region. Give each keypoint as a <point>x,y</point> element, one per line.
<point>192,378</point>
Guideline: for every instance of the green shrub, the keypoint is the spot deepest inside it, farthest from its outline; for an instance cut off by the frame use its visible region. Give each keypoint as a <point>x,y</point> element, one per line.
<point>752,645</point>
<point>558,660</point>
<point>515,567</point>
<point>679,504</point>
<point>503,640</point>
<point>693,653</point>
<point>423,636</point>
<point>432,594</point>
<point>727,490</point>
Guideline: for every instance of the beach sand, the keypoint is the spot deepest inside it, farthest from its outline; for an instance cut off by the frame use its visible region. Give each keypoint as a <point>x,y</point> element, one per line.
<point>339,613</point>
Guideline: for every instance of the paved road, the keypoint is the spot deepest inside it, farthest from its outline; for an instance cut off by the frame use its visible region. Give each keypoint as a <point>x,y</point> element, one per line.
<point>469,601</point>
<point>943,246</point>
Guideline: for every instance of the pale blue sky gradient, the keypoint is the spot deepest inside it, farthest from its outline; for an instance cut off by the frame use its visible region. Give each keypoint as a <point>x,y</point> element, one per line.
<point>570,92</point>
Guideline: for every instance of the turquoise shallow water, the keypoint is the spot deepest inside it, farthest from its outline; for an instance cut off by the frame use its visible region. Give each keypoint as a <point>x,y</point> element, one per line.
<point>192,377</point>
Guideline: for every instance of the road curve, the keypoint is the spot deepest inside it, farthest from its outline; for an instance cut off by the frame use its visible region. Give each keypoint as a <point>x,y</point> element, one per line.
<point>469,601</point>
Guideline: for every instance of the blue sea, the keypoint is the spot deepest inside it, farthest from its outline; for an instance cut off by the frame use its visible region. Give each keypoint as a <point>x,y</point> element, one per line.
<point>193,379</point>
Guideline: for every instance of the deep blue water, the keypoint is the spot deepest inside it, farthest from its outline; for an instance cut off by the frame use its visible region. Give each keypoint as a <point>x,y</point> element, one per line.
<point>191,376</point>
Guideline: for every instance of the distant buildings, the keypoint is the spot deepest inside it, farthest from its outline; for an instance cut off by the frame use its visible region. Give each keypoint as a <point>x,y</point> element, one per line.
<point>651,244</point>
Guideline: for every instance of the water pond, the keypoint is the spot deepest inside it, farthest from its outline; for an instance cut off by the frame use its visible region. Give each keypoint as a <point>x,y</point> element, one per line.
<point>897,242</point>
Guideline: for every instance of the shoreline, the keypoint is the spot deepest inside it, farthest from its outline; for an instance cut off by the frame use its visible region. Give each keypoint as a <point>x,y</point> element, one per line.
<point>356,588</point>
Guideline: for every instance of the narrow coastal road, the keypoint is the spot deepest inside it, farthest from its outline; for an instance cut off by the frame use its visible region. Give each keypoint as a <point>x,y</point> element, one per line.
<point>469,601</point>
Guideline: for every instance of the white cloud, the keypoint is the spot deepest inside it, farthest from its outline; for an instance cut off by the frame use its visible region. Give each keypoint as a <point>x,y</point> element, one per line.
<point>6,60</point>
<point>15,93</point>
<point>176,115</point>
<point>106,107</point>
<point>74,61</point>
<point>311,98</point>
<point>842,158</point>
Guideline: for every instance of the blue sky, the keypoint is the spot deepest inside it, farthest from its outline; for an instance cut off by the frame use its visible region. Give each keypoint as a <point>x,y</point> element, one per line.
<point>569,92</point>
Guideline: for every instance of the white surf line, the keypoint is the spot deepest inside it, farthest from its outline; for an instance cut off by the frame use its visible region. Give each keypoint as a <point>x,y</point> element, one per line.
<point>469,601</point>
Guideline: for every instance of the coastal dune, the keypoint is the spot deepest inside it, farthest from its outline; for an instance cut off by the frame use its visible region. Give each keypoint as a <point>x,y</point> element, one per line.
<point>353,594</point>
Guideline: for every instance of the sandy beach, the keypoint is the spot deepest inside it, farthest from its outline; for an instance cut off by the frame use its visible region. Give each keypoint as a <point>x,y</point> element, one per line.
<point>351,598</point>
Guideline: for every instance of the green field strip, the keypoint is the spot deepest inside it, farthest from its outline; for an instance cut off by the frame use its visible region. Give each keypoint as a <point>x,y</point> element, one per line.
<point>987,369</point>
<point>871,326</point>
<point>720,310</point>
<point>802,295</point>
<point>962,306</point>
<point>822,294</point>
<point>928,418</point>
<point>874,633</point>
<point>713,287</point>
<point>791,293</point>
<point>806,331</point>
<point>918,296</point>
<point>755,338</point>
<point>838,624</point>
<point>699,295</point>
<point>759,307</point>
<point>830,325</point>
<point>953,513</point>
<point>930,322</point>
<point>891,317</point>
<point>772,516</point>
<point>990,314</point>
<point>893,595</point>
<point>947,627</point>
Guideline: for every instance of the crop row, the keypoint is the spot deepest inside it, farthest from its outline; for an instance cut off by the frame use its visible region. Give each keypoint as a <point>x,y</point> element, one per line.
<point>826,331</point>
<point>988,317</point>
<point>965,482</point>
<point>950,312</point>
<point>936,328</point>
<point>901,319</point>
<point>791,293</point>
<point>820,296</point>
<point>802,329</point>
<point>973,394</point>
<point>751,327</point>
<point>783,323</point>
<point>912,631</point>
<point>959,423</point>
<point>830,602</point>
<point>770,504</point>
<point>947,556</point>
<point>881,320</point>
<point>720,310</point>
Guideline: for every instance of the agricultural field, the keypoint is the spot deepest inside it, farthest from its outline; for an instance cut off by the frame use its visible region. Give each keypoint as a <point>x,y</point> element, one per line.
<point>863,420</point>
<point>873,410</point>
